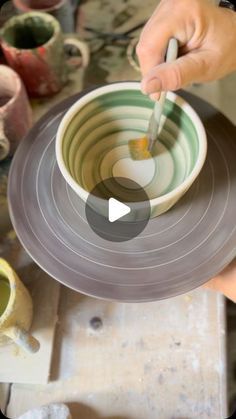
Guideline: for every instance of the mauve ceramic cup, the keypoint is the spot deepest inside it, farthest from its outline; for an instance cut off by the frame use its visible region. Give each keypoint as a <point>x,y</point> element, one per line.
<point>15,111</point>
<point>92,144</point>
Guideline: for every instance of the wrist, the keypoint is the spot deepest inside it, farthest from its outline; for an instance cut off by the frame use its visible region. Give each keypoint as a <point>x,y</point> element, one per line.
<point>228,16</point>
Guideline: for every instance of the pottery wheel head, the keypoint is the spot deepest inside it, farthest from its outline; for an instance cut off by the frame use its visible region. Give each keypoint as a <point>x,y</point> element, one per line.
<point>176,252</point>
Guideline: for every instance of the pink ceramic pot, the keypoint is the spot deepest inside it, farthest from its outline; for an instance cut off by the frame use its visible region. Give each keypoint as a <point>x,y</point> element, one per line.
<point>15,111</point>
<point>61,9</point>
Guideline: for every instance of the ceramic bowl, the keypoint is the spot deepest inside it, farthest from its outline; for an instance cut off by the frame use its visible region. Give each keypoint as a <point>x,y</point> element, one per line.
<point>92,144</point>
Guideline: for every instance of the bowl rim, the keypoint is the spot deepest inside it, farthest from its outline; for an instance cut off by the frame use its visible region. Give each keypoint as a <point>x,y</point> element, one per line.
<point>132,85</point>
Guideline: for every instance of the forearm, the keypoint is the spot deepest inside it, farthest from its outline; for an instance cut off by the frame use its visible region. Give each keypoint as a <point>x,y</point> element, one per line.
<point>225,282</point>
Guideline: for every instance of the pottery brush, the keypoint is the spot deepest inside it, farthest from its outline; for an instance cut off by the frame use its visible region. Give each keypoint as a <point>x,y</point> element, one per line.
<point>141,148</point>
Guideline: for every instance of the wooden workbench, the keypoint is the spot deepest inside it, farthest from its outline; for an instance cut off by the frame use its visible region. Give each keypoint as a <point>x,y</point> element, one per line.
<point>158,360</point>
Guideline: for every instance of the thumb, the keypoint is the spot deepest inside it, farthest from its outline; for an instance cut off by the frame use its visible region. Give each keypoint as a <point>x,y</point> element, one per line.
<point>172,76</point>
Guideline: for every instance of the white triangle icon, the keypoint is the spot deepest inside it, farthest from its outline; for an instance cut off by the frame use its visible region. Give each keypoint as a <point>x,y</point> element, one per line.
<point>116,210</point>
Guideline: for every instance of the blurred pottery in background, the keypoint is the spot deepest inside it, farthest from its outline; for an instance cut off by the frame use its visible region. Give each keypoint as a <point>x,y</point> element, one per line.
<point>16,309</point>
<point>62,10</point>
<point>7,10</point>
<point>33,45</point>
<point>15,111</point>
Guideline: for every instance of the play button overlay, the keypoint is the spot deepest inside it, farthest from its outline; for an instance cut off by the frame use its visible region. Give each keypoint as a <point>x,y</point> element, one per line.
<point>117,209</point>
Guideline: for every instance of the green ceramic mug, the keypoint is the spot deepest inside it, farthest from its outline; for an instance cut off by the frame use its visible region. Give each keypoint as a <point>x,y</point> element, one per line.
<point>92,144</point>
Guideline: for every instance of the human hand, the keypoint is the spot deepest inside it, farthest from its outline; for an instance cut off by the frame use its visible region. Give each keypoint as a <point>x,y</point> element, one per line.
<point>206,35</point>
<point>225,282</point>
